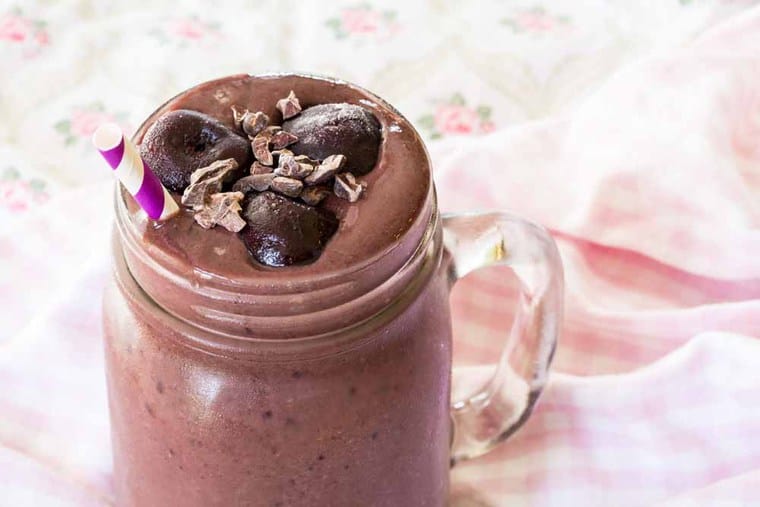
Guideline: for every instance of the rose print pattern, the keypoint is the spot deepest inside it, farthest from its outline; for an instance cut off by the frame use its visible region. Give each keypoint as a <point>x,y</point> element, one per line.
<point>363,21</point>
<point>83,121</point>
<point>186,31</point>
<point>18,194</point>
<point>536,20</point>
<point>29,35</point>
<point>455,117</point>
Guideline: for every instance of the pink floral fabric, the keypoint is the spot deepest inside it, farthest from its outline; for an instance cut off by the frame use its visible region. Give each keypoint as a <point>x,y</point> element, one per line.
<point>631,133</point>
<point>363,21</point>
<point>18,194</point>
<point>455,117</point>
<point>536,20</point>
<point>18,30</point>
<point>82,122</point>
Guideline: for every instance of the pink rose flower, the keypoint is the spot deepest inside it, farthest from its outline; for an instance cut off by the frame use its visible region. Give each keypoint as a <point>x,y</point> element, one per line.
<point>17,195</point>
<point>84,123</point>
<point>42,38</point>
<point>360,20</point>
<point>455,119</point>
<point>487,127</point>
<point>189,28</point>
<point>535,21</point>
<point>14,28</point>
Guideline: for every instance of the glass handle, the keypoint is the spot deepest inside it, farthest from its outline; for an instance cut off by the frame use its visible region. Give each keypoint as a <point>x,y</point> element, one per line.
<point>503,403</point>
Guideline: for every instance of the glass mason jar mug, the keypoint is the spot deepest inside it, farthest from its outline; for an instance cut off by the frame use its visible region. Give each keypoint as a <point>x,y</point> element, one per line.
<point>332,390</point>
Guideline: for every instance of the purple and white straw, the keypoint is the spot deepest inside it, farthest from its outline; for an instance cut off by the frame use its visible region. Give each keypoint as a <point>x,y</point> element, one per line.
<point>139,180</point>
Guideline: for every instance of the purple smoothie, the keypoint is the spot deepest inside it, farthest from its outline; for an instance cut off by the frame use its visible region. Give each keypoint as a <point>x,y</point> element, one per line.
<point>321,383</point>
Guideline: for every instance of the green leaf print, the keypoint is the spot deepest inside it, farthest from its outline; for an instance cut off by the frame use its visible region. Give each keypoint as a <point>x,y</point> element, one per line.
<point>390,16</point>
<point>10,174</point>
<point>457,99</point>
<point>337,27</point>
<point>37,185</point>
<point>63,126</point>
<point>511,24</point>
<point>484,113</point>
<point>426,122</point>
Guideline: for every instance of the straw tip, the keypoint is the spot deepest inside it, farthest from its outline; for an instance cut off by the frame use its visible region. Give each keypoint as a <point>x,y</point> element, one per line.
<point>107,136</point>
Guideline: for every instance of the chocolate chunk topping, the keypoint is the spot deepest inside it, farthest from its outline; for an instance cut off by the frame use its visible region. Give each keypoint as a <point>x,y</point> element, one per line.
<point>287,166</point>
<point>260,145</point>
<point>181,141</point>
<point>253,123</point>
<point>225,168</point>
<point>237,116</point>
<point>257,182</point>
<point>314,195</point>
<point>306,169</point>
<point>208,180</point>
<point>222,209</point>
<point>346,187</point>
<point>259,168</point>
<point>280,154</point>
<point>282,232</point>
<point>327,129</point>
<point>326,170</point>
<point>287,186</point>
<point>283,139</point>
<point>250,123</point>
<point>289,106</point>
<point>291,168</point>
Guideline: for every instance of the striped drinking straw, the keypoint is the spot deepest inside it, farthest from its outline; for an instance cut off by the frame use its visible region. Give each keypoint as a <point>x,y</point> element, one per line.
<point>139,180</point>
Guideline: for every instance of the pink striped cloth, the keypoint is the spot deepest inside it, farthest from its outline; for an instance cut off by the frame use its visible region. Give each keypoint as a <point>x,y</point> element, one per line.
<point>651,187</point>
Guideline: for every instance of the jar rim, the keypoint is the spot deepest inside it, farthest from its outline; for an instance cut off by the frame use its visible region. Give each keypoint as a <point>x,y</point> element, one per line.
<point>421,266</point>
<point>272,306</point>
<point>296,282</point>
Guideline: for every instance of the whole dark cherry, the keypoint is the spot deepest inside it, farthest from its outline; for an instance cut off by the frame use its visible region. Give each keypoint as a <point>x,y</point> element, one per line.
<point>181,141</point>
